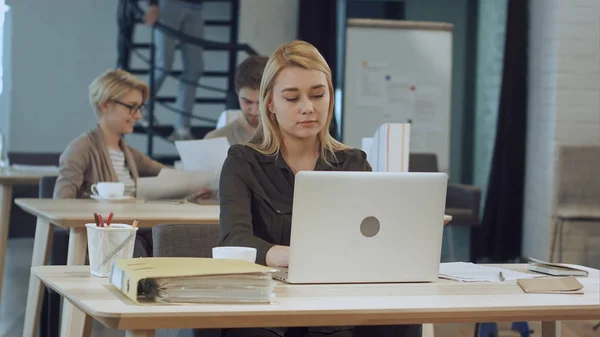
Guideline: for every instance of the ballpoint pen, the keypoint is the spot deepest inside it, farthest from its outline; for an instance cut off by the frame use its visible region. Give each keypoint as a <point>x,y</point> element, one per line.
<point>501,276</point>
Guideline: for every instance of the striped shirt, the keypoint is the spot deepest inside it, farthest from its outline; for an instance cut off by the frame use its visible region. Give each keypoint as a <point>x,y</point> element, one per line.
<point>118,162</point>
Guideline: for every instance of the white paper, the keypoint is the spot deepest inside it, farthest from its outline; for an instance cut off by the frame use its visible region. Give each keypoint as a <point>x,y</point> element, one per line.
<point>389,150</point>
<point>35,168</point>
<point>427,105</point>
<point>204,154</point>
<point>174,184</point>
<point>470,272</point>
<point>367,144</point>
<point>371,83</point>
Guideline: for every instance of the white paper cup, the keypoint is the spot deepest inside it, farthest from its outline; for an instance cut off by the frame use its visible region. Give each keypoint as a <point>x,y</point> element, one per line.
<point>107,244</point>
<point>235,253</point>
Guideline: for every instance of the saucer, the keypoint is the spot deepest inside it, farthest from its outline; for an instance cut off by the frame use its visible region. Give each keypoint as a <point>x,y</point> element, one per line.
<point>121,198</point>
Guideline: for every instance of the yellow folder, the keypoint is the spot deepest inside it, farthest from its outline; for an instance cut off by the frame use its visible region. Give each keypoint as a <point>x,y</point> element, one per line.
<point>126,274</point>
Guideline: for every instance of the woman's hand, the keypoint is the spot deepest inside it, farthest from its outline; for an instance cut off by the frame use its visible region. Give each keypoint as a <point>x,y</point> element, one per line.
<point>151,15</point>
<point>201,195</point>
<point>278,256</point>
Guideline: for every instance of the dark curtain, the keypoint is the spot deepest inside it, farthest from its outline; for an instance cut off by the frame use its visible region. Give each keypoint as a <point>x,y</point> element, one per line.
<point>501,228</point>
<point>317,26</point>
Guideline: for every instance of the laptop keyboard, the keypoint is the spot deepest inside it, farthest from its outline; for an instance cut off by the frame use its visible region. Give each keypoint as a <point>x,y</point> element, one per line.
<point>281,274</point>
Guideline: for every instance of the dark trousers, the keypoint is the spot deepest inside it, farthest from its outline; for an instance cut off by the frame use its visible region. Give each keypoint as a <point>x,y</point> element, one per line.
<point>126,23</point>
<point>359,331</point>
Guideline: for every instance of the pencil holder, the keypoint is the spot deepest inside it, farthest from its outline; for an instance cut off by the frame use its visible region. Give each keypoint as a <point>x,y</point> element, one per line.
<point>107,244</point>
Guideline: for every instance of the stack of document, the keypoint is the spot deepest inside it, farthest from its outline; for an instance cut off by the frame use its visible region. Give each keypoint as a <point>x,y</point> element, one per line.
<point>173,184</point>
<point>244,288</point>
<point>469,272</point>
<point>200,168</point>
<point>193,280</point>
<point>36,168</point>
<point>388,150</point>
<point>555,269</point>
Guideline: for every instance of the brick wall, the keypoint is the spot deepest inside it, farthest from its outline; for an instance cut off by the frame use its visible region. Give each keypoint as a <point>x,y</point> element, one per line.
<point>563,109</point>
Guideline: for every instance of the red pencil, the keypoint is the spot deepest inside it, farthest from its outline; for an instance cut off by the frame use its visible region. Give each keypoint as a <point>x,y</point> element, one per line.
<point>100,220</point>
<point>110,216</point>
<point>96,219</point>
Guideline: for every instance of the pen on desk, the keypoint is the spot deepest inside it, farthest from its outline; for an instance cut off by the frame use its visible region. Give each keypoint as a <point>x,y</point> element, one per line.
<point>96,219</point>
<point>110,216</point>
<point>501,276</point>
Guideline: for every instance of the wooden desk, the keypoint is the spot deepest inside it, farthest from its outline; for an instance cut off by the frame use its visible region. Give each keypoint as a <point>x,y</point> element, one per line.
<point>74,214</point>
<point>330,305</point>
<point>9,178</point>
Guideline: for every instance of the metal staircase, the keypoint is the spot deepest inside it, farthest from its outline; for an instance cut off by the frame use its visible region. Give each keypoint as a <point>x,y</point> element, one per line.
<point>231,46</point>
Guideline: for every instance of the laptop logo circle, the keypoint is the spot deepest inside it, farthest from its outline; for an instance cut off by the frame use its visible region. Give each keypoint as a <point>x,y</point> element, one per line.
<point>369,227</point>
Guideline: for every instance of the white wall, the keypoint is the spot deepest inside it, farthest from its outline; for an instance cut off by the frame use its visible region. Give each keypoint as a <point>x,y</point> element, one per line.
<point>5,94</point>
<point>563,108</point>
<point>60,46</point>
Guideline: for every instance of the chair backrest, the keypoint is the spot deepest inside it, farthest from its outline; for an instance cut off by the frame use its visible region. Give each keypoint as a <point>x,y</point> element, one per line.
<point>183,240</point>
<point>46,187</point>
<point>577,181</point>
<point>227,116</point>
<point>422,162</point>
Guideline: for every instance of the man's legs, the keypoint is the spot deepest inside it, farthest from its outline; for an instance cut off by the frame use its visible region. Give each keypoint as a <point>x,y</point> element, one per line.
<point>126,23</point>
<point>193,64</point>
<point>170,16</point>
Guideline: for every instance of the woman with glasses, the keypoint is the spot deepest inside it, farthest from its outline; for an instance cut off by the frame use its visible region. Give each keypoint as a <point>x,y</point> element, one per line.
<point>101,154</point>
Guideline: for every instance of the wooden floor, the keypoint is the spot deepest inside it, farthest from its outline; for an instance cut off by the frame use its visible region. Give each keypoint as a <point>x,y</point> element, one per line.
<point>14,296</point>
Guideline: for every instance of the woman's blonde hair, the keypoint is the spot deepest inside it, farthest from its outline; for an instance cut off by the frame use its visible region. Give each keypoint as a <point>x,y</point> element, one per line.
<point>112,85</point>
<point>267,139</point>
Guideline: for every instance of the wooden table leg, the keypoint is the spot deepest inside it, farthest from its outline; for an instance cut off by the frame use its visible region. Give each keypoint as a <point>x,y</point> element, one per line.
<point>74,320</point>
<point>41,251</point>
<point>5,203</point>
<point>428,330</point>
<point>140,333</point>
<point>551,329</point>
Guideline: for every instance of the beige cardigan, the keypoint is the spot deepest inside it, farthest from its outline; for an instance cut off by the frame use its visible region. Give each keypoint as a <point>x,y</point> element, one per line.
<point>86,161</point>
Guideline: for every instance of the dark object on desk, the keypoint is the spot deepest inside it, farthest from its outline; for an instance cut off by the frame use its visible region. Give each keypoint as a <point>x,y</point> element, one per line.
<point>462,201</point>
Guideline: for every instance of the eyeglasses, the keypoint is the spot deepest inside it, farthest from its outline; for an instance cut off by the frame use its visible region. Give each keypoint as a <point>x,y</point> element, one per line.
<point>133,108</point>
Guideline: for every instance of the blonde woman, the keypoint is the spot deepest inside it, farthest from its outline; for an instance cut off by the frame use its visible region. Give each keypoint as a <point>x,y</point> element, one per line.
<point>101,154</point>
<point>257,179</point>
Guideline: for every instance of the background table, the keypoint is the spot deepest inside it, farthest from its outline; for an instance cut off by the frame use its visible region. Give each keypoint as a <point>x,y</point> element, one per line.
<point>74,214</point>
<point>9,178</point>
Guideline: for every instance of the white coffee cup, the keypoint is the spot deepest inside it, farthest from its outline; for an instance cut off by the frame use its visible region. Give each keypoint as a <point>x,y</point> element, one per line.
<point>108,189</point>
<point>234,253</point>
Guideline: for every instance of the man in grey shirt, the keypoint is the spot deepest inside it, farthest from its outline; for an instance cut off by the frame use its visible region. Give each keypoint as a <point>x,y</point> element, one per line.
<point>247,85</point>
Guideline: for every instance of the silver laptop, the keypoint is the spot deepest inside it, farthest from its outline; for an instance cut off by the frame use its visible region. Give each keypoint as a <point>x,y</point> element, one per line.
<point>366,227</point>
